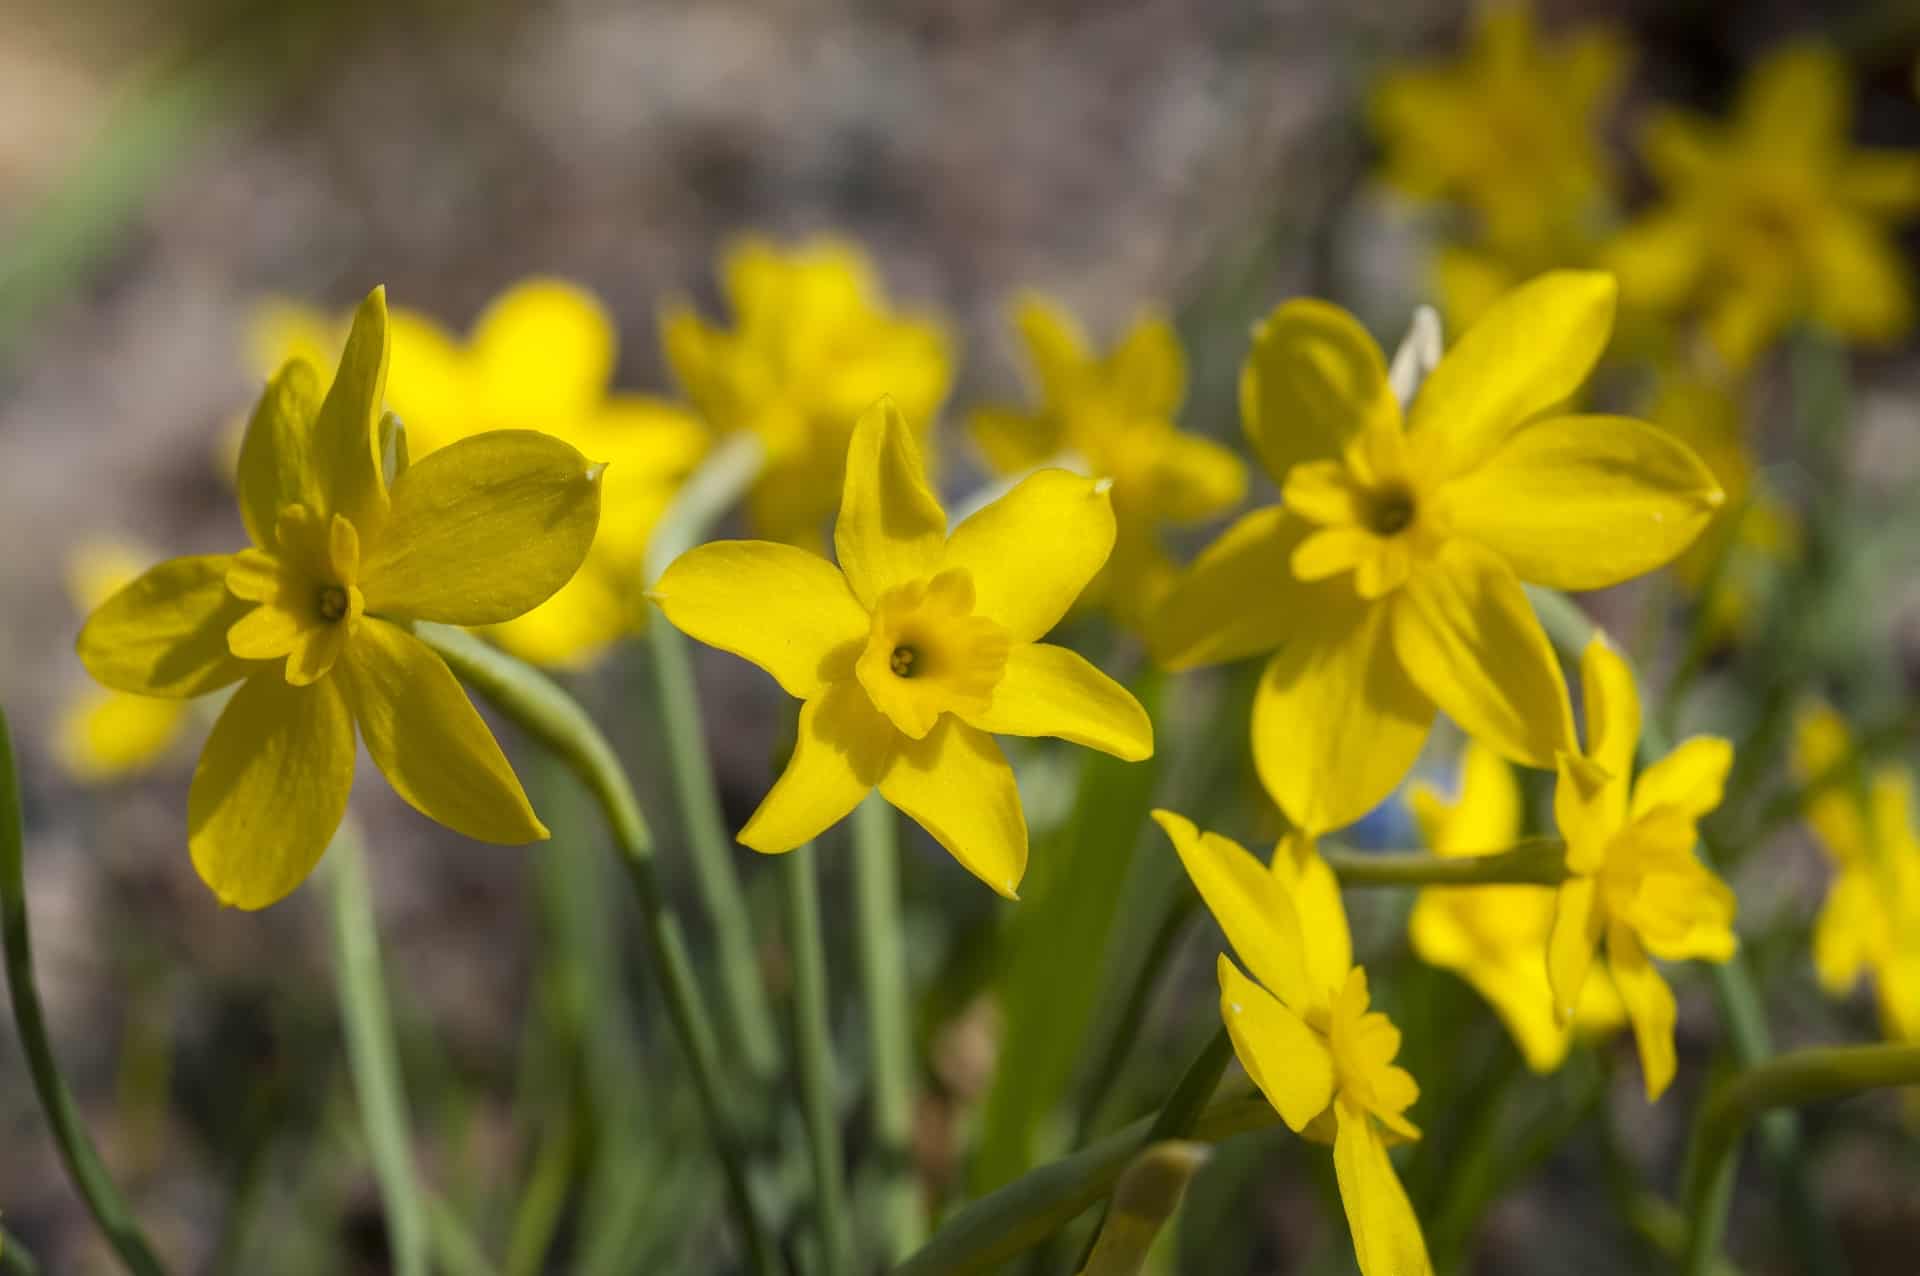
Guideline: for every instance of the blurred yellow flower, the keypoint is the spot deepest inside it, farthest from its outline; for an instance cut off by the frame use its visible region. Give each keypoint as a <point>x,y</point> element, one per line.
<point>919,647</point>
<point>312,620</point>
<point>1495,937</point>
<point>1634,879</point>
<point>104,734</point>
<point>1305,1035</point>
<point>814,343</point>
<point>1774,217</point>
<point>1112,414</point>
<point>1870,923</point>
<point>1510,129</point>
<point>1389,575</point>
<point>540,357</point>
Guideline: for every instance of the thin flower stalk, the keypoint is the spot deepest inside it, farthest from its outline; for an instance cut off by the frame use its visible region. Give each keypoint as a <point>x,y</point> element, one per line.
<point>813,1048</point>
<point>899,1217</point>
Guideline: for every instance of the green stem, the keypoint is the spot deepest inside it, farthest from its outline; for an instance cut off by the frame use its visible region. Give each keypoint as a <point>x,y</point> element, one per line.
<point>108,1207</point>
<point>813,1039</point>
<point>538,1216</point>
<point>371,1052</point>
<point>14,1258</point>
<point>883,978</point>
<point>1125,1030</point>
<point>1144,1199</point>
<point>454,1247</point>
<point>713,488</point>
<point>555,719</point>
<point>1537,861</point>
<point>1789,1081</point>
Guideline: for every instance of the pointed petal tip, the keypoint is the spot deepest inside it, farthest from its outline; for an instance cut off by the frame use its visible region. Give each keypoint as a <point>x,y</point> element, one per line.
<point>1101,486</point>
<point>595,469</point>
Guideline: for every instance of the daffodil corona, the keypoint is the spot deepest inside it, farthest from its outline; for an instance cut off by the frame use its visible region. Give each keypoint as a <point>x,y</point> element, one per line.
<point>1635,881</point>
<point>312,619</point>
<point>1389,575</point>
<point>918,648</point>
<point>1306,1035</point>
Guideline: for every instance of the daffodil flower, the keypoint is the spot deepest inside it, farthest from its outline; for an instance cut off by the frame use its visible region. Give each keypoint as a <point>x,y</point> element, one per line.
<point>1870,922</point>
<point>1634,880</point>
<point>1495,937</point>
<point>1773,217</point>
<point>1305,1035</point>
<point>105,734</point>
<point>1389,575</point>
<point>312,620</point>
<point>917,649</point>
<point>1113,411</point>
<point>814,343</point>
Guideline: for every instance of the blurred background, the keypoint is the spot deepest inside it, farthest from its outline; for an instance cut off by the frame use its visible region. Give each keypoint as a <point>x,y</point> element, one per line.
<point>168,169</point>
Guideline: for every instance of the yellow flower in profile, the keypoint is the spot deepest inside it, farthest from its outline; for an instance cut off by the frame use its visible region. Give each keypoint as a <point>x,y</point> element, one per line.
<point>1511,129</point>
<point>1634,880</point>
<point>1389,575</point>
<point>540,357</point>
<point>1495,937</point>
<point>1112,413</point>
<point>1774,217</point>
<point>104,734</point>
<point>1870,923</point>
<point>917,649</point>
<point>814,343</point>
<point>312,620</point>
<point>1305,1035</point>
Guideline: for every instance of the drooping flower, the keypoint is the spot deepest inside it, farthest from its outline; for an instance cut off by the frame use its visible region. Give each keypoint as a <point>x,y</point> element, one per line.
<point>1111,413</point>
<point>540,357</point>
<point>814,343</point>
<point>1774,217</point>
<point>312,619</point>
<point>1634,880</point>
<point>1870,922</point>
<point>1495,937</point>
<point>1389,575</point>
<point>1302,1029</point>
<point>917,648</point>
<point>103,734</point>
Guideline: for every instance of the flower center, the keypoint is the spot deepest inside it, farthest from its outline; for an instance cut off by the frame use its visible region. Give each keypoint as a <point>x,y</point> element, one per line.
<point>332,603</point>
<point>1390,509</point>
<point>928,654</point>
<point>901,661</point>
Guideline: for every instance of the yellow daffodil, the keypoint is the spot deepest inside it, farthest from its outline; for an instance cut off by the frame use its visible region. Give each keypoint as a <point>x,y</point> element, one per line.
<point>105,734</point>
<point>1112,413</point>
<point>1773,217</point>
<point>1495,937</point>
<point>918,648</point>
<point>312,619</point>
<point>1305,1035</point>
<point>814,343</point>
<point>1634,879</point>
<point>1511,129</point>
<point>540,357</point>
<point>1870,923</point>
<point>1389,575</point>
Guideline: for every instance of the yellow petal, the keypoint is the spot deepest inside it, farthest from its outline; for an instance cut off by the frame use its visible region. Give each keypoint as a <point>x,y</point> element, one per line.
<point>1584,502</point>
<point>1880,182</point>
<point>345,458</point>
<point>1148,369</point>
<point>1529,351</point>
<point>484,530</point>
<point>1465,633</point>
<point>1252,907</point>
<point>572,629</point>
<point>786,610</point>
<point>1386,1233</point>
<point>104,735</point>
<point>891,528</point>
<point>1032,552</point>
<point>1488,812</point>
<point>276,457</point>
<point>1577,924</point>
<point>431,385</point>
<point>1240,597</point>
<point>1048,690</point>
<point>544,351</point>
<point>429,741</point>
<point>1313,380</point>
<point>1691,779</point>
<point>1337,723</point>
<point>1649,1004</point>
<point>1659,258</point>
<point>843,748</point>
<point>165,634</point>
<point>1611,702</point>
<point>1056,347</point>
<point>1797,101</point>
<point>1519,993</point>
<point>1861,282</point>
<point>270,789</point>
<point>956,785</point>
<point>1309,881</point>
<point>1288,1060</point>
<point>1013,441</point>
<point>1844,933</point>
<point>1680,146</point>
<point>1194,479</point>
